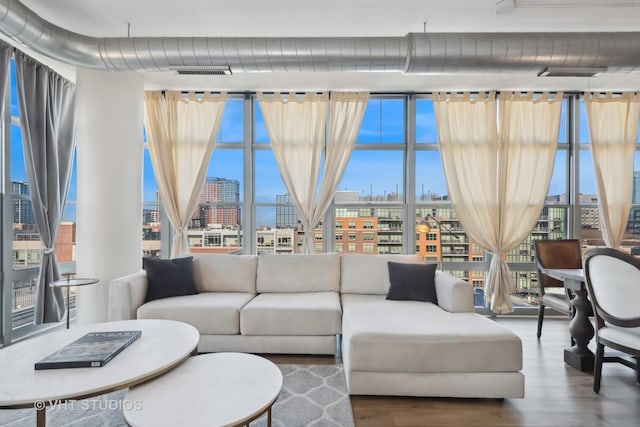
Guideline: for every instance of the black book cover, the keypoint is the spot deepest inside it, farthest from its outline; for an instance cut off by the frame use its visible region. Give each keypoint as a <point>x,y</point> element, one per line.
<point>94,349</point>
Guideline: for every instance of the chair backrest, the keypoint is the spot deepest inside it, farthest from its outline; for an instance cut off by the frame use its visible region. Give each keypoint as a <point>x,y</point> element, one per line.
<point>613,283</point>
<point>556,254</point>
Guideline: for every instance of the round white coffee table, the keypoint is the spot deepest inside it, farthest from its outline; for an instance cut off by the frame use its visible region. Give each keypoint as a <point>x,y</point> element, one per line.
<point>215,389</point>
<point>163,345</point>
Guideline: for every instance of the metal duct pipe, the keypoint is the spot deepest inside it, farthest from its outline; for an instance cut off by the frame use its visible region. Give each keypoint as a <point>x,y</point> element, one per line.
<point>521,52</point>
<point>253,54</point>
<point>22,25</point>
<point>415,53</point>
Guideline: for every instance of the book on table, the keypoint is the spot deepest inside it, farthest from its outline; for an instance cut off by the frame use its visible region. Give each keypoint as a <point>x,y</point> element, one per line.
<point>92,350</point>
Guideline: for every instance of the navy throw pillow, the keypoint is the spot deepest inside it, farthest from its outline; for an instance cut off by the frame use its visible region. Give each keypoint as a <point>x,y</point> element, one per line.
<point>415,282</point>
<point>169,277</point>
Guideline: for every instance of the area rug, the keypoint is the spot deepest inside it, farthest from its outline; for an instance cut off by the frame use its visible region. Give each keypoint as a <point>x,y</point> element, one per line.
<point>312,395</point>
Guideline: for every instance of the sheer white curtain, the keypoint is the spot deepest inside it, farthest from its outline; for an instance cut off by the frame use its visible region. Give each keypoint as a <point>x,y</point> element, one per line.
<point>498,179</point>
<point>613,124</point>
<point>181,131</point>
<point>296,128</point>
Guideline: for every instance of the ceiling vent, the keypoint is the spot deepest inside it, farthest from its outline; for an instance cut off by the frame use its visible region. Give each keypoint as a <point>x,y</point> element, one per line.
<point>572,71</point>
<point>204,70</point>
<point>506,6</point>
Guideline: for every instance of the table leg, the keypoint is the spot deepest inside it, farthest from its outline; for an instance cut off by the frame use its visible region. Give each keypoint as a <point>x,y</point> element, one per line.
<point>41,414</point>
<point>579,356</point>
<point>68,307</point>
<point>269,417</point>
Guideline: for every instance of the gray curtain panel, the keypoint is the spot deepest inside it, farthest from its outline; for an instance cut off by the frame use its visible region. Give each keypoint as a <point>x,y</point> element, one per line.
<point>5,57</point>
<point>47,118</point>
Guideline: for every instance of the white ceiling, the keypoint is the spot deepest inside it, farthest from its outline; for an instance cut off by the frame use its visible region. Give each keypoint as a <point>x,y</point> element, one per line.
<point>288,18</point>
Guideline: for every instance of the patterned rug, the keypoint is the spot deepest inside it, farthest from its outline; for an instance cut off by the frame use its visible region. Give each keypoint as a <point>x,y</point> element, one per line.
<point>311,396</point>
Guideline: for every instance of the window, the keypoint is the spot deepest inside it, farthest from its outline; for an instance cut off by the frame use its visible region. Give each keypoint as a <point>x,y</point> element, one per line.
<point>20,268</point>
<point>219,210</point>
<point>372,200</point>
<point>373,176</point>
<point>590,232</point>
<point>231,126</point>
<point>383,121</point>
<point>430,183</point>
<point>425,122</point>
<point>284,241</point>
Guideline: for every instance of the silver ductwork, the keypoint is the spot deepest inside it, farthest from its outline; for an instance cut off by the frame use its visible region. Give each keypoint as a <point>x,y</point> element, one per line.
<point>415,53</point>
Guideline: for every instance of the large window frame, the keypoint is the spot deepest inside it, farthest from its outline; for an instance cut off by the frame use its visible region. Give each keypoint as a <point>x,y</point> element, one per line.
<point>409,203</point>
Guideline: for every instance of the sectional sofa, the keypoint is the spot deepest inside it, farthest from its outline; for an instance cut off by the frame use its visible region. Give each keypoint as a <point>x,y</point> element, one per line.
<point>302,304</point>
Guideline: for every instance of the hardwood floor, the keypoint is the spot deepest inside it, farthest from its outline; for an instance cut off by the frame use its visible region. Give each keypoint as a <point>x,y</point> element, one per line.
<point>555,394</point>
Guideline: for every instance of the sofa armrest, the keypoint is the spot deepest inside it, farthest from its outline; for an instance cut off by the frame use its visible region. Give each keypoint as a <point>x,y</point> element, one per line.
<point>454,295</point>
<point>126,294</point>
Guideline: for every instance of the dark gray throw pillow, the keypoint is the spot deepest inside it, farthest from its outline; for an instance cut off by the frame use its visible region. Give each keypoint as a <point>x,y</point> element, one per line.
<point>415,282</point>
<point>169,277</point>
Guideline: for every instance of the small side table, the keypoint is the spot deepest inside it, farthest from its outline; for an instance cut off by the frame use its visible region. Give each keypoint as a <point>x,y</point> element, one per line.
<point>68,283</point>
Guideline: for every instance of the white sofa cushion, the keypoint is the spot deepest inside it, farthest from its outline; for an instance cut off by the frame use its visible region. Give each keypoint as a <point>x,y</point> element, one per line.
<point>411,336</point>
<point>298,273</point>
<point>209,312</point>
<point>369,274</point>
<point>306,313</point>
<point>225,273</point>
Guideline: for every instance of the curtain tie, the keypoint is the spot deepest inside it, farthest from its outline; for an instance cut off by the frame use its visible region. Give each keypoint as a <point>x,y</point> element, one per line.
<point>48,251</point>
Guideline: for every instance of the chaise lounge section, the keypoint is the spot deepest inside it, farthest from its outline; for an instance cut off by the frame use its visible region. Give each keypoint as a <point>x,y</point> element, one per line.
<point>415,348</point>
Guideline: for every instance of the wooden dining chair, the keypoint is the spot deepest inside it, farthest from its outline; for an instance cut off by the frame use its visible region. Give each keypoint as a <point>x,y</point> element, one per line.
<point>551,292</point>
<point>613,284</point>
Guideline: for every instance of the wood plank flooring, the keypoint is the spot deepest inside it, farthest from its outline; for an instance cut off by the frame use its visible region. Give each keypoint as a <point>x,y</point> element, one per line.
<point>555,394</point>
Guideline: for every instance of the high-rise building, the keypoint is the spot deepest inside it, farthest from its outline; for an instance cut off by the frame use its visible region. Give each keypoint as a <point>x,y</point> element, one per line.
<point>635,196</point>
<point>216,192</point>
<point>633,225</point>
<point>151,212</point>
<point>589,215</point>
<point>22,208</point>
<point>286,214</point>
<point>150,216</point>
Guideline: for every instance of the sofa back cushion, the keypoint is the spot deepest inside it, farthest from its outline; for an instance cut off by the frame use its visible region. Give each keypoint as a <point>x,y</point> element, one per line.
<point>369,274</point>
<point>298,273</point>
<point>225,273</point>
